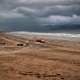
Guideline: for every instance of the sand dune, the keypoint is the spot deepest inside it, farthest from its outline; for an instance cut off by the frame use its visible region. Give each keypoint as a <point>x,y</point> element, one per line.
<point>54,60</point>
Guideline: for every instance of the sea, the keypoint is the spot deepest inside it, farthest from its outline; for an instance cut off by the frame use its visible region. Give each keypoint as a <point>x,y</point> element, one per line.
<point>71,35</point>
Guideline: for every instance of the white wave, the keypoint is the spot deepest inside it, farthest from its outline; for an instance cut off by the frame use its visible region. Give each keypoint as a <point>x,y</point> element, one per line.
<point>48,34</point>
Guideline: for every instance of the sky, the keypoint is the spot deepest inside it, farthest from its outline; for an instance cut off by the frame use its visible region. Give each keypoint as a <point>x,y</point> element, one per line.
<point>30,14</point>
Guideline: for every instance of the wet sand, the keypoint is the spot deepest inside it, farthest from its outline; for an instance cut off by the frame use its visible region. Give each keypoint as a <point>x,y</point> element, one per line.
<point>54,60</point>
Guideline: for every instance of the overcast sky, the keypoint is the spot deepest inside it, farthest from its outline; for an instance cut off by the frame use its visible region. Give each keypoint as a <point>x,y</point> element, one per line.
<point>19,13</point>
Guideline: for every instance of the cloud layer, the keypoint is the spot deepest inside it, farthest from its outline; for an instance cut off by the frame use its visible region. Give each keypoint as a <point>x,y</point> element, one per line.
<point>39,11</point>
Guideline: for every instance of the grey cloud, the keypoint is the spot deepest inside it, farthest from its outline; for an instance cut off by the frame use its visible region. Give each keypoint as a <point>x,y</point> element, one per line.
<point>36,4</point>
<point>49,8</point>
<point>40,8</point>
<point>40,11</point>
<point>50,11</point>
<point>63,10</point>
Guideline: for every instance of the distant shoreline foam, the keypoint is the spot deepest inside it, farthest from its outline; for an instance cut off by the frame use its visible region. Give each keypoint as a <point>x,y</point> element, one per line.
<point>63,36</point>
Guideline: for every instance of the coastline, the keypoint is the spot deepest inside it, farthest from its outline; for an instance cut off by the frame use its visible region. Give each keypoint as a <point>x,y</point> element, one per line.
<point>54,60</point>
<point>57,36</point>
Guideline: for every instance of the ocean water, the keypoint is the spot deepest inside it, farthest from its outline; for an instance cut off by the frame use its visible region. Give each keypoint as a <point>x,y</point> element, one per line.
<point>72,35</point>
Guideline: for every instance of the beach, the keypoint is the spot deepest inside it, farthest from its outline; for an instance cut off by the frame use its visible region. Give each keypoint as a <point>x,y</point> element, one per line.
<point>53,60</point>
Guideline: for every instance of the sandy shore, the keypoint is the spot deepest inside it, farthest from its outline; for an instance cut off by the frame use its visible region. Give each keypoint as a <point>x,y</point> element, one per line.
<point>54,60</point>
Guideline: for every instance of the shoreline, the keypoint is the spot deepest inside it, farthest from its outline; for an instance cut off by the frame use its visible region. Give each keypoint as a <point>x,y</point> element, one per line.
<point>54,60</point>
<point>51,36</point>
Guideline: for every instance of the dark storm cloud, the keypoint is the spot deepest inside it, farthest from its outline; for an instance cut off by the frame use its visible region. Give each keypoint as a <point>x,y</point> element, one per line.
<point>23,25</point>
<point>43,8</point>
<point>50,11</point>
<point>18,14</point>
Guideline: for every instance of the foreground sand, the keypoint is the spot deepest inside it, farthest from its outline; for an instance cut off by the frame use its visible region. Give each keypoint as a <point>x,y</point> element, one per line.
<point>54,60</point>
